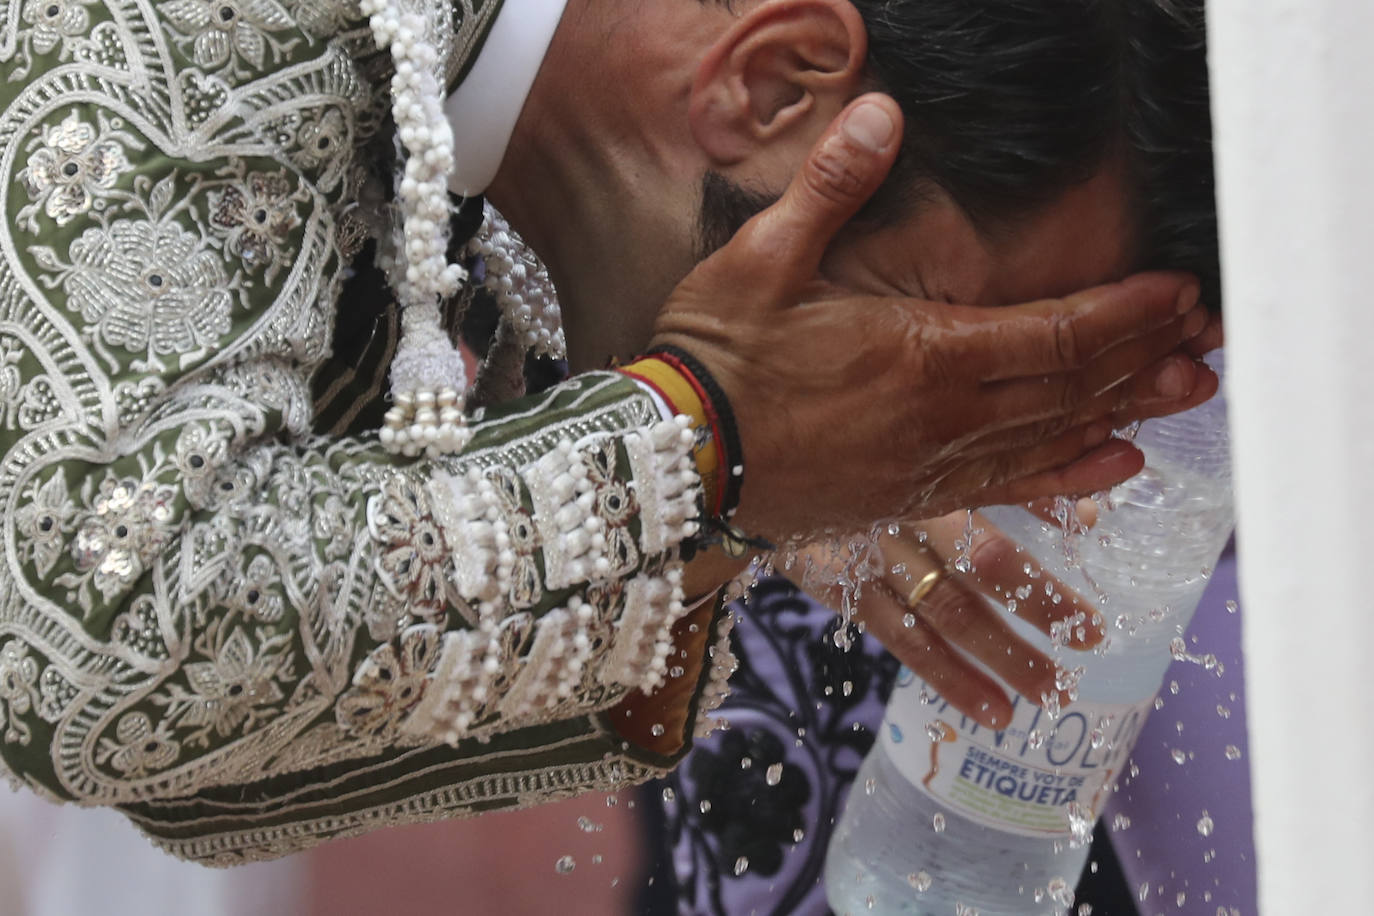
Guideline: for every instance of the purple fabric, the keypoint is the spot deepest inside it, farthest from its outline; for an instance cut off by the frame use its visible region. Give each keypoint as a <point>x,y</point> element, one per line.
<point>1162,849</point>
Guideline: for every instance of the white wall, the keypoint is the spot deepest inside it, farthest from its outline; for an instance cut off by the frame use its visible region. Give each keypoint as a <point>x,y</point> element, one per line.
<point>1293,84</point>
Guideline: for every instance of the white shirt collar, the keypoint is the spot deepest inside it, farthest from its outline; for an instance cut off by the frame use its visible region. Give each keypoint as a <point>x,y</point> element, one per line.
<point>484,108</point>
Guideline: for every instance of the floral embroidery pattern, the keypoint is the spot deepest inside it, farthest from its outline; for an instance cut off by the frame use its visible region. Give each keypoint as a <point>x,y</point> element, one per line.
<point>139,749</point>
<point>124,528</point>
<point>233,691</point>
<point>414,555</point>
<point>522,540</point>
<point>146,287</point>
<point>257,217</point>
<point>321,140</point>
<point>18,695</point>
<point>390,683</point>
<point>43,521</point>
<point>255,593</point>
<point>220,33</point>
<point>50,23</point>
<point>616,505</point>
<point>56,21</point>
<point>71,167</point>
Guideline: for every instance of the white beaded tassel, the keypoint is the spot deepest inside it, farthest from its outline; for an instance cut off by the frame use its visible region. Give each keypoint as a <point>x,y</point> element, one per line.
<point>428,379</point>
<point>521,285</point>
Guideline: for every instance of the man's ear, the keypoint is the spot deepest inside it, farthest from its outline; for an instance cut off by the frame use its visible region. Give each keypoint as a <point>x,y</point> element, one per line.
<point>782,66</point>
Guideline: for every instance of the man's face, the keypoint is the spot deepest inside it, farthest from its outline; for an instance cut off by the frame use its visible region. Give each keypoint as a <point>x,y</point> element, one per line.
<point>1080,240</point>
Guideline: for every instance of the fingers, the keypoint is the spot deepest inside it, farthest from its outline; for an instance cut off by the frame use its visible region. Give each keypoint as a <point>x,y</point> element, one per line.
<point>1148,363</point>
<point>783,245</point>
<point>1008,469</point>
<point>1137,404</point>
<point>966,686</point>
<point>1061,335</point>
<point>999,569</point>
<point>1213,338</point>
<point>1100,469</point>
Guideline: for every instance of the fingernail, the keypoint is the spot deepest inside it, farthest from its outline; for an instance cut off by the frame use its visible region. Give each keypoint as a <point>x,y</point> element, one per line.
<point>1188,297</point>
<point>870,126</point>
<point>1194,324</point>
<point>1170,383</point>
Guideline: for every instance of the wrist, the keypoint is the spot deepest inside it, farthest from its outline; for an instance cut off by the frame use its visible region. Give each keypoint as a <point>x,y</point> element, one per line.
<point>688,389</point>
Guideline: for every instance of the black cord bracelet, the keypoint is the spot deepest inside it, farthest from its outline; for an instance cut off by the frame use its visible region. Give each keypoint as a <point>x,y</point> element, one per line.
<point>732,459</point>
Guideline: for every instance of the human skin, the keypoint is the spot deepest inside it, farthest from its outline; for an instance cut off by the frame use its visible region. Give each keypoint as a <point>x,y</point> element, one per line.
<point>605,184</point>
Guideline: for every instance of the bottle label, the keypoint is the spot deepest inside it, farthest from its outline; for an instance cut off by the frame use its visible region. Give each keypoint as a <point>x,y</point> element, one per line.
<point>1038,776</point>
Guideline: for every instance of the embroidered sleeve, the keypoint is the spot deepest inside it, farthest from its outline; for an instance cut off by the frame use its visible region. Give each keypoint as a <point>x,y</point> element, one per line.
<point>198,596</point>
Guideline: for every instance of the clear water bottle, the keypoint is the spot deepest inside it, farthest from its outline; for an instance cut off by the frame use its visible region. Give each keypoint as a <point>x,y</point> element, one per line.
<point>949,817</point>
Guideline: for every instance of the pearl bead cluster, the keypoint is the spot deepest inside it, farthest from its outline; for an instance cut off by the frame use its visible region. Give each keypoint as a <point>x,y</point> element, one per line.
<point>427,369</point>
<point>521,285</point>
<point>484,679</point>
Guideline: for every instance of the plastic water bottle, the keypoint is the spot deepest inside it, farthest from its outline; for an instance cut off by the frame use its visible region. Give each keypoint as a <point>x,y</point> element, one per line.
<point>948,817</point>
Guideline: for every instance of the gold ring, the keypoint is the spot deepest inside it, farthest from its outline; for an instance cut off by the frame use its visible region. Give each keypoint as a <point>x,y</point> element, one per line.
<point>924,587</point>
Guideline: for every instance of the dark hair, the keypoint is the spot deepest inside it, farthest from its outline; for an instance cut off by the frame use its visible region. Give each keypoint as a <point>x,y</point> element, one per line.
<point>1011,102</point>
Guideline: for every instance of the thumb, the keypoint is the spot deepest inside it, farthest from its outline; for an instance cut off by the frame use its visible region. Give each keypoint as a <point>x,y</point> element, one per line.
<point>845,166</point>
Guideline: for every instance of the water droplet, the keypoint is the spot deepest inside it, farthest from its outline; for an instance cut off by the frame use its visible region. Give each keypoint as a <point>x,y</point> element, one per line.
<point>869,901</point>
<point>565,865</point>
<point>870,785</point>
<point>1036,739</point>
<point>1224,712</point>
<point>908,620</point>
<point>847,688</point>
<point>798,835</point>
<point>1232,752</point>
<point>1173,687</point>
<point>1232,607</point>
<point>899,569</point>
<point>596,859</point>
<point>920,881</point>
<point>612,801</point>
<point>1179,756</point>
<point>774,774</point>
<point>1081,821</point>
<point>1121,822</point>
<point>1060,891</point>
<point>1205,824</point>
<point>937,731</point>
<point>669,795</point>
<point>587,825</point>
<point>746,763</point>
<point>741,865</point>
<point>705,806</point>
<point>1085,909</point>
<point>1159,703</point>
<point>1180,899</point>
<point>938,822</point>
<point>657,730</point>
<point>1178,648</point>
<point>1012,605</point>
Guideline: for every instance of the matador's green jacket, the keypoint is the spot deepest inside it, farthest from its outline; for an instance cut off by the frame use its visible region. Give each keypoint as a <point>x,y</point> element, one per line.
<point>246,635</point>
